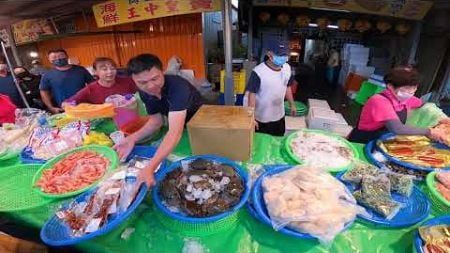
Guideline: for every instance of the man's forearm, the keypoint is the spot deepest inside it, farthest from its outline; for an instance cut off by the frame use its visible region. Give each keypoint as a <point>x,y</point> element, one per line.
<point>289,95</point>
<point>151,126</point>
<point>45,95</point>
<point>166,147</point>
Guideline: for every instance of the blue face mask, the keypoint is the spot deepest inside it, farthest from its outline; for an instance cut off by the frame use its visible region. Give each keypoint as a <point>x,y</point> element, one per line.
<point>279,60</point>
<point>61,62</point>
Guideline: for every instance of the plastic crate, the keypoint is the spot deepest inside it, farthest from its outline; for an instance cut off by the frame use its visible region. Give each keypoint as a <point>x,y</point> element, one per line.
<point>366,91</point>
<point>238,80</point>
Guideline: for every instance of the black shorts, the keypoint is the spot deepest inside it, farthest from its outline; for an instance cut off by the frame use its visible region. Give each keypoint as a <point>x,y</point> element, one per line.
<point>276,128</point>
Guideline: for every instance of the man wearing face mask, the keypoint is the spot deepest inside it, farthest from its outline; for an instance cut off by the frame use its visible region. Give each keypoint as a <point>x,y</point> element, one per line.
<point>7,85</point>
<point>268,86</point>
<point>30,86</point>
<point>387,111</point>
<point>63,81</point>
<point>163,95</point>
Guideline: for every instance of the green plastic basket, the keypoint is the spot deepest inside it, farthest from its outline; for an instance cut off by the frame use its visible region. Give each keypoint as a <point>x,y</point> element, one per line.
<point>366,91</point>
<point>339,138</point>
<point>197,229</point>
<point>441,206</point>
<point>9,155</point>
<point>109,153</point>
<point>16,189</point>
<point>302,109</point>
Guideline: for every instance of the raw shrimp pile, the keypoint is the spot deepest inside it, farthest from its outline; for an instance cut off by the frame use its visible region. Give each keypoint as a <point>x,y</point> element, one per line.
<point>74,172</point>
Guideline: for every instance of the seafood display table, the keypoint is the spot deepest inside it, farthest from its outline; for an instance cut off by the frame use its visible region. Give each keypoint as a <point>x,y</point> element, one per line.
<point>249,235</point>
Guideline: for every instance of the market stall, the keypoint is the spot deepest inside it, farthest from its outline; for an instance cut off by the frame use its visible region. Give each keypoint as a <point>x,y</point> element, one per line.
<point>148,228</point>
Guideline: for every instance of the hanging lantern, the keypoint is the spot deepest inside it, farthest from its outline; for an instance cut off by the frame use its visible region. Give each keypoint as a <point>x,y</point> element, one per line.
<point>283,19</point>
<point>322,23</point>
<point>302,21</point>
<point>402,28</point>
<point>362,25</point>
<point>344,24</point>
<point>383,26</point>
<point>264,16</point>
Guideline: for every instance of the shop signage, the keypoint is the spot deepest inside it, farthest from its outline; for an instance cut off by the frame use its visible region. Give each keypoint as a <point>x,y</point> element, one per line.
<point>408,9</point>
<point>116,12</point>
<point>31,29</point>
<point>5,37</point>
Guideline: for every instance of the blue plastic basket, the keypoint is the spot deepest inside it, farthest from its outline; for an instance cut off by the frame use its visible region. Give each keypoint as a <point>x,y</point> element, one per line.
<point>161,174</point>
<point>57,233</point>
<point>416,208</point>
<point>26,156</point>
<point>405,164</point>
<point>418,242</point>
<point>261,209</point>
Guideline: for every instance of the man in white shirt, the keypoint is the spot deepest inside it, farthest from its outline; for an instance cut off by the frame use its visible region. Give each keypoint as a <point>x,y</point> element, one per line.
<point>268,86</point>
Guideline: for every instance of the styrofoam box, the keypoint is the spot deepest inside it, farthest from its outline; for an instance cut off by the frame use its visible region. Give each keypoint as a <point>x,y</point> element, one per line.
<point>323,119</point>
<point>318,103</point>
<point>294,124</point>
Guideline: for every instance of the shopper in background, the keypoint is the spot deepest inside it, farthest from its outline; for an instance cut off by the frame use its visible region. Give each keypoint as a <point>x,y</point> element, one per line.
<point>63,81</point>
<point>37,68</point>
<point>108,84</point>
<point>268,86</point>
<point>163,95</point>
<point>174,68</point>
<point>30,86</point>
<point>388,111</point>
<point>7,85</point>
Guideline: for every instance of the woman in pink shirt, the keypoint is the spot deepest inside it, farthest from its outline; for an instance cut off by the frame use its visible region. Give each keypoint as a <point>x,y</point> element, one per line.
<point>108,84</point>
<point>387,111</point>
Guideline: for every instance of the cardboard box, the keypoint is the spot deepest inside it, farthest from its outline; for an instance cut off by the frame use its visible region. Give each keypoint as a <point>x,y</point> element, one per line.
<point>222,130</point>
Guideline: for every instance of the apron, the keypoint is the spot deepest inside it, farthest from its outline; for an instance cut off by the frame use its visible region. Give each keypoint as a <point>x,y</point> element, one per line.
<point>362,136</point>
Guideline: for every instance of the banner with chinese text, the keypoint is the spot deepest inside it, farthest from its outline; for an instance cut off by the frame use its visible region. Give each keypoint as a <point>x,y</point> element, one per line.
<point>116,12</point>
<point>31,29</point>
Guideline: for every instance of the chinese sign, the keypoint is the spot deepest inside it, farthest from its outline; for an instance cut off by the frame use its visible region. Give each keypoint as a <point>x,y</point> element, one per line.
<point>5,37</point>
<point>409,9</point>
<point>116,12</point>
<point>31,29</point>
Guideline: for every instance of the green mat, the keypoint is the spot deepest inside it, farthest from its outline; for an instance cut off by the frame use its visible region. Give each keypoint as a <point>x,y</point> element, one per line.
<point>16,189</point>
<point>248,235</point>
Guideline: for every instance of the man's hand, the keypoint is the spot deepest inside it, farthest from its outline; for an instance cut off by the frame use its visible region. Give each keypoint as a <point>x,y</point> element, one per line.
<point>256,125</point>
<point>293,110</point>
<point>147,176</point>
<point>55,110</point>
<point>124,147</point>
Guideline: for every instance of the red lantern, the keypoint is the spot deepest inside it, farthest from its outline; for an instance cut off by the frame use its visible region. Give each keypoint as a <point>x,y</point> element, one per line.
<point>302,21</point>
<point>362,25</point>
<point>322,23</point>
<point>402,28</point>
<point>344,25</point>
<point>383,26</point>
<point>283,19</point>
<point>264,16</point>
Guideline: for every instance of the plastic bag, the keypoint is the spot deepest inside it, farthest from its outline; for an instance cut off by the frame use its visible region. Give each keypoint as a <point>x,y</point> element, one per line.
<point>356,174</point>
<point>381,205</point>
<point>309,200</point>
<point>426,116</point>
<point>376,186</point>
<point>402,184</point>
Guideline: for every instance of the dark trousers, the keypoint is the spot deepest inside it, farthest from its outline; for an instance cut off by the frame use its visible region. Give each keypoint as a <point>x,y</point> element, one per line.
<point>276,128</point>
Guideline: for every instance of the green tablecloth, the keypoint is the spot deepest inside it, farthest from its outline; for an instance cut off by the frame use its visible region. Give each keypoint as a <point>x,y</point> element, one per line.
<point>249,235</point>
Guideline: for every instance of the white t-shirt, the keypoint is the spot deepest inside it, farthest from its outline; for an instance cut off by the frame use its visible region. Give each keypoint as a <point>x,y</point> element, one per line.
<point>270,88</point>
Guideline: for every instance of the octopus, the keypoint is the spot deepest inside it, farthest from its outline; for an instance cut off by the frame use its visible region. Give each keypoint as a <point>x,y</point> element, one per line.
<point>201,189</point>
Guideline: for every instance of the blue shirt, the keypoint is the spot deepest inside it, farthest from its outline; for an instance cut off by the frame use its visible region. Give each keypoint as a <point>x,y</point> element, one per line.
<point>8,87</point>
<point>177,95</point>
<point>64,84</point>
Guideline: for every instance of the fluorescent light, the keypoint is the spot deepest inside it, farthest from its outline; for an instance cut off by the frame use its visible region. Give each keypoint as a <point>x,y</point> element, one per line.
<point>329,26</point>
<point>326,9</point>
<point>235,3</point>
<point>294,54</point>
<point>33,54</point>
